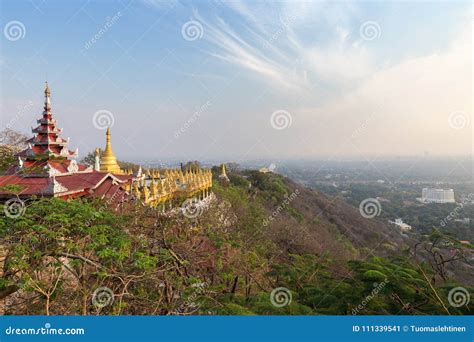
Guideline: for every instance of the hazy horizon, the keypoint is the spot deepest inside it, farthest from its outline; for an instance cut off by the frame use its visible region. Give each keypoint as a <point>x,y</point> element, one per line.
<point>237,81</point>
<point>320,158</point>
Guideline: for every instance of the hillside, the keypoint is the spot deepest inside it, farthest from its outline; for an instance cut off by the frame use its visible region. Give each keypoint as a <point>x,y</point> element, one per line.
<point>265,245</point>
<point>320,223</point>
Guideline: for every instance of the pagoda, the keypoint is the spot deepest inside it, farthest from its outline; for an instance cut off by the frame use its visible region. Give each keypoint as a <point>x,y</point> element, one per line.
<point>47,153</point>
<point>48,168</point>
<point>108,161</point>
<point>223,176</point>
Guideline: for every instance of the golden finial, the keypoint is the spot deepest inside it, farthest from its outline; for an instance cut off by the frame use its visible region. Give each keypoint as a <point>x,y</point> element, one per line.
<point>47,91</point>
<point>109,161</point>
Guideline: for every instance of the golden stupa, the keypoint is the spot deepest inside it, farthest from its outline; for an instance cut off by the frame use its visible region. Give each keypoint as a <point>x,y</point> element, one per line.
<point>163,188</point>
<point>223,174</point>
<point>108,162</point>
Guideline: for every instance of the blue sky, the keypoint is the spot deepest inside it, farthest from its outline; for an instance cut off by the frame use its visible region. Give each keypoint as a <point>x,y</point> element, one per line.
<point>394,89</point>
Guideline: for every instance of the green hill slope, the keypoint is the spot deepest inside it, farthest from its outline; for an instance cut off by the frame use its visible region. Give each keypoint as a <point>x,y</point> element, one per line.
<point>264,246</point>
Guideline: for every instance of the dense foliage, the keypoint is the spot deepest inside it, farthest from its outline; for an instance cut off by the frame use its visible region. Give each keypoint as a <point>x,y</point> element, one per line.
<point>11,142</point>
<point>229,260</point>
<point>399,201</point>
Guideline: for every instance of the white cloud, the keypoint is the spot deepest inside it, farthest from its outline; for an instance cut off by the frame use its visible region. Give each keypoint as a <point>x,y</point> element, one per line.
<point>395,104</point>
<point>272,48</point>
<point>404,108</point>
<point>399,108</point>
<point>233,48</point>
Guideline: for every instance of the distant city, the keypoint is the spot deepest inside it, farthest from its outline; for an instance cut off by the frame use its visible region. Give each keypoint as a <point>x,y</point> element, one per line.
<point>414,194</point>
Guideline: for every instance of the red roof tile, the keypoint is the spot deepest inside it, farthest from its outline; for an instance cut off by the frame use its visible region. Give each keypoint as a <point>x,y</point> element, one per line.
<point>100,182</point>
<point>30,185</point>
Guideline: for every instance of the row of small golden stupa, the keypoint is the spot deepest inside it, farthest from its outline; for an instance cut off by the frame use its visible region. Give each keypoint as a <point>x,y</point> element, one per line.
<point>157,187</point>
<point>164,186</point>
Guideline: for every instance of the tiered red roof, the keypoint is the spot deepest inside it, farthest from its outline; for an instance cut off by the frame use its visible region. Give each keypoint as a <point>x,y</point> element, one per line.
<point>47,143</point>
<point>47,167</point>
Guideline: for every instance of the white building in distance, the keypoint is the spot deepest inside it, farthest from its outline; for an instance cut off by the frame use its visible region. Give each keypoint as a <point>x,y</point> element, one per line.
<point>403,226</point>
<point>429,195</point>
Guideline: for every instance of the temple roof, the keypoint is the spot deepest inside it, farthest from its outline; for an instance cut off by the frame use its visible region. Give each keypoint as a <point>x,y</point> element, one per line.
<point>46,145</point>
<point>47,167</point>
<point>80,183</point>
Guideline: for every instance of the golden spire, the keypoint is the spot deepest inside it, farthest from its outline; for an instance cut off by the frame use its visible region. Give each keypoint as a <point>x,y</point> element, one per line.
<point>47,92</point>
<point>154,188</point>
<point>223,174</point>
<point>108,161</point>
<point>146,193</point>
<point>161,188</point>
<point>136,190</point>
<point>47,97</point>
